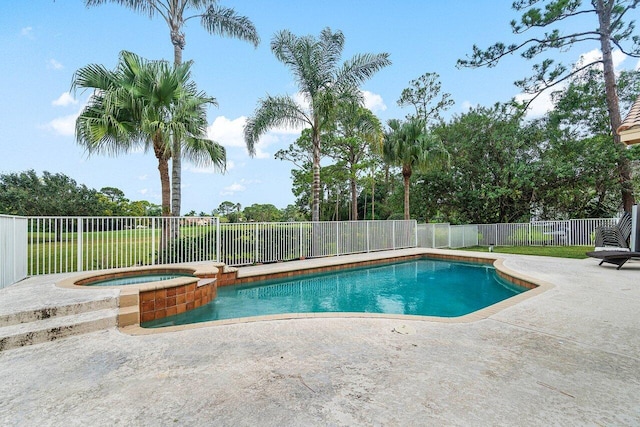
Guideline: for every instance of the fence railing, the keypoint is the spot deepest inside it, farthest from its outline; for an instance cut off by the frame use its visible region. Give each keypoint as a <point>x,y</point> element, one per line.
<point>13,249</point>
<point>44,245</point>
<point>70,244</point>
<point>250,243</point>
<point>574,232</point>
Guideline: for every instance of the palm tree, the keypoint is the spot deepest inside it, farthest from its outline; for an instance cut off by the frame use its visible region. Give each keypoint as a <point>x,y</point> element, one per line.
<point>215,19</point>
<point>321,82</point>
<point>409,146</point>
<point>144,104</point>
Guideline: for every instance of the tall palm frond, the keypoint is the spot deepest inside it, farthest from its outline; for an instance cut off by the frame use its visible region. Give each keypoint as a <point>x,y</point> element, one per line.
<point>273,111</point>
<point>227,23</point>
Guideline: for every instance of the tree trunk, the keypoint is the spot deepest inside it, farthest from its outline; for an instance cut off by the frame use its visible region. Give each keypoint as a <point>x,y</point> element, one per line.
<point>354,199</point>
<point>373,199</point>
<point>335,217</point>
<point>406,177</point>
<point>624,169</point>
<point>176,180</point>
<point>315,207</point>
<point>177,38</point>
<point>163,168</point>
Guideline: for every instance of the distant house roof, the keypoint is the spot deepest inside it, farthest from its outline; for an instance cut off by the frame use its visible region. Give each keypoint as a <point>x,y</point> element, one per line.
<point>629,130</point>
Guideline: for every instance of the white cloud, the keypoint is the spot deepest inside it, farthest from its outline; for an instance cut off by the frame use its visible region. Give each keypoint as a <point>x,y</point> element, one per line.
<point>143,178</point>
<point>538,108</point>
<point>543,103</point>
<point>301,99</point>
<point>55,65</point>
<point>232,189</point>
<point>230,133</point>
<point>235,187</point>
<point>466,106</point>
<point>64,126</point>
<point>150,195</point>
<point>617,56</point>
<point>64,100</point>
<point>27,32</point>
<point>238,187</point>
<point>638,66</point>
<point>373,101</point>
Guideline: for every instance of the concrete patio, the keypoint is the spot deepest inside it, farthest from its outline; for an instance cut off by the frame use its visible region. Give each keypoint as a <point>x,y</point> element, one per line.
<point>567,356</point>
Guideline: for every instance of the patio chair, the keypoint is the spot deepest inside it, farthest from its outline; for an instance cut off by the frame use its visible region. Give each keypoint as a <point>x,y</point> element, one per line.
<point>616,236</point>
<point>612,243</point>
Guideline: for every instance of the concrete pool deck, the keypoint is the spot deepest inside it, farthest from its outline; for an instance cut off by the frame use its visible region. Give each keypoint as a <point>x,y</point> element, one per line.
<point>569,355</point>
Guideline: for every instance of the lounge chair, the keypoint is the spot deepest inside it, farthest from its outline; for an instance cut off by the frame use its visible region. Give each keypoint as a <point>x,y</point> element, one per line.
<point>616,236</point>
<point>613,243</point>
<point>614,257</point>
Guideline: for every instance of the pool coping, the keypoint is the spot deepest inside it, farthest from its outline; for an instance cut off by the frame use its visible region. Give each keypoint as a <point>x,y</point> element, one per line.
<point>293,268</point>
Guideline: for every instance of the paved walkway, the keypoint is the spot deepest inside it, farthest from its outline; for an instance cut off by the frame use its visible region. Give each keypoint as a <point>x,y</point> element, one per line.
<point>569,356</point>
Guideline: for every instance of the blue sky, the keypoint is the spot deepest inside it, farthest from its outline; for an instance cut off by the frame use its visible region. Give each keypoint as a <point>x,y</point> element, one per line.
<point>45,41</point>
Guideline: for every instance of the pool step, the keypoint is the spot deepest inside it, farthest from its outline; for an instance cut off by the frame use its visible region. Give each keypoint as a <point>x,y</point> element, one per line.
<point>44,313</point>
<point>53,328</point>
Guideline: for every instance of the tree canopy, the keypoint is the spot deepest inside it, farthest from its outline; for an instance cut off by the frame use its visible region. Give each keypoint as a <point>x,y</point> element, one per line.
<point>216,20</point>
<point>322,81</point>
<point>55,194</point>
<point>543,30</point>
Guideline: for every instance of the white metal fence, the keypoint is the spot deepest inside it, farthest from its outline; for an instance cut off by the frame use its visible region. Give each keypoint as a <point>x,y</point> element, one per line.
<point>43,245</point>
<point>249,243</point>
<point>69,244</point>
<point>574,232</point>
<point>13,249</point>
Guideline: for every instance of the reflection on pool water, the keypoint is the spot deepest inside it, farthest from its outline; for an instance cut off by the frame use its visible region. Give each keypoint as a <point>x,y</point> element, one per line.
<point>421,287</point>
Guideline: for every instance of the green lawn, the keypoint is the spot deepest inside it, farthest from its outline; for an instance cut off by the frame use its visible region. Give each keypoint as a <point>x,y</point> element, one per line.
<point>577,252</point>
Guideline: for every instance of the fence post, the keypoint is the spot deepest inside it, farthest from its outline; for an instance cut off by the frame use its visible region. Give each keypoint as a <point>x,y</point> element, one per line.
<point>300,240</point>
<point>337,238</point>
<point>529,235</point>
<point>433,236</point>
<point>13,257</point>
<point>218,242</point>
<point>569,233</point>
<point>255,245</point>
<point>368,244</point>
<point>415,233</point>
<point>393,233</point>
<point>79,247</point>
<point>153,241</point>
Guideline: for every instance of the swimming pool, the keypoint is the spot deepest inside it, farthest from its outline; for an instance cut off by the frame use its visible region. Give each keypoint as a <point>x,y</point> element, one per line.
<point>423,287</point>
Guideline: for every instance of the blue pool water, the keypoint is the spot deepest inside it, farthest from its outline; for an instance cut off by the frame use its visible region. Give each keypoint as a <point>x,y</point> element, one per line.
<point>422,287</point>
<point>137,279</point>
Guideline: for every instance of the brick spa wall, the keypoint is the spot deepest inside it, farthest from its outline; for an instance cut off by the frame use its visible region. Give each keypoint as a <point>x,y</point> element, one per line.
<point>159,303</point>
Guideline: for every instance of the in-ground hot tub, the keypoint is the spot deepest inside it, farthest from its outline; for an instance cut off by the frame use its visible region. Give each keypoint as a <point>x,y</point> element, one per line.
<point>135,279</point>
<point>154,292</point>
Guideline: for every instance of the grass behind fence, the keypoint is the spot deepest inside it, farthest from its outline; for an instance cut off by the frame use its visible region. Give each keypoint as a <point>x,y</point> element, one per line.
<point>575,252</point>
<point>127,248</point>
